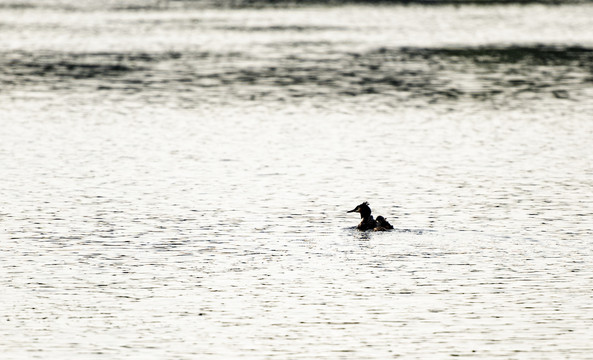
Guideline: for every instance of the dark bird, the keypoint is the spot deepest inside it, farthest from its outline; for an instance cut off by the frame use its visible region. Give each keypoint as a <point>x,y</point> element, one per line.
<point>368,222</point>
<point>382,224</point>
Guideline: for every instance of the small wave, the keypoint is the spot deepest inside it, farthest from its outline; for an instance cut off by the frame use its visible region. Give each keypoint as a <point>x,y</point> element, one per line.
<point>287,28</point>
<point>430,74</point>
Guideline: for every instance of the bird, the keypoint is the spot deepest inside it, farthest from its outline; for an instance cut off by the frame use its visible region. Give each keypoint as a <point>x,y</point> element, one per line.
<point>382,224</point>
<point>368,222</point>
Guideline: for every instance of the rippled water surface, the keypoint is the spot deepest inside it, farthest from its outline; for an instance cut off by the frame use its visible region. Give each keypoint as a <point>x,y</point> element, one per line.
<point>175,182</point>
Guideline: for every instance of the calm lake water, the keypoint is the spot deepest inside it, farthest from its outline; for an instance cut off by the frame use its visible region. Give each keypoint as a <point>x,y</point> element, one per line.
<point>175,182</point>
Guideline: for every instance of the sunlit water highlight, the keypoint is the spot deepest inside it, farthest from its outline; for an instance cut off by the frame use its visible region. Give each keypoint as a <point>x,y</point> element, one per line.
<point>175,183</point>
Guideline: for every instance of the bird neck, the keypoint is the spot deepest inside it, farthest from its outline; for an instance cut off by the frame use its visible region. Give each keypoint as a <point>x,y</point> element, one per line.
<point>366,216</point>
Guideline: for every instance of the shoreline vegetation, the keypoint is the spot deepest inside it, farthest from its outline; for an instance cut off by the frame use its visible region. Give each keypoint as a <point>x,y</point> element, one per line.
<point>164,4</point>
<point>387,2</point>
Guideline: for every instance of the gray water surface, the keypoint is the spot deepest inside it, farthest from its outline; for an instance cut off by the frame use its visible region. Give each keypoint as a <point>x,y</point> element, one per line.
<point>175,182</point>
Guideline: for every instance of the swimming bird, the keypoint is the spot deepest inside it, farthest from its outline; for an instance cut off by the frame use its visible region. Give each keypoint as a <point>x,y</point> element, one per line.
<point>382,224</point>
<point>368,222</point>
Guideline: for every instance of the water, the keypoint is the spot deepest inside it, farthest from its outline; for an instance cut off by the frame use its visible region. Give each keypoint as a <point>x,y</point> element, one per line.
<point>175,182</point>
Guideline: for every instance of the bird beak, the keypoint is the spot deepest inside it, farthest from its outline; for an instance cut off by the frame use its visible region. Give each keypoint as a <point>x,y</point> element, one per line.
<point>353,210</point>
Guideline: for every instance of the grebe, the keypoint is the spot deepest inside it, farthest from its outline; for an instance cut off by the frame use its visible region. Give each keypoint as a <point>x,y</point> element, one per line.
<point>368,222</point>
<point>382,224</point>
